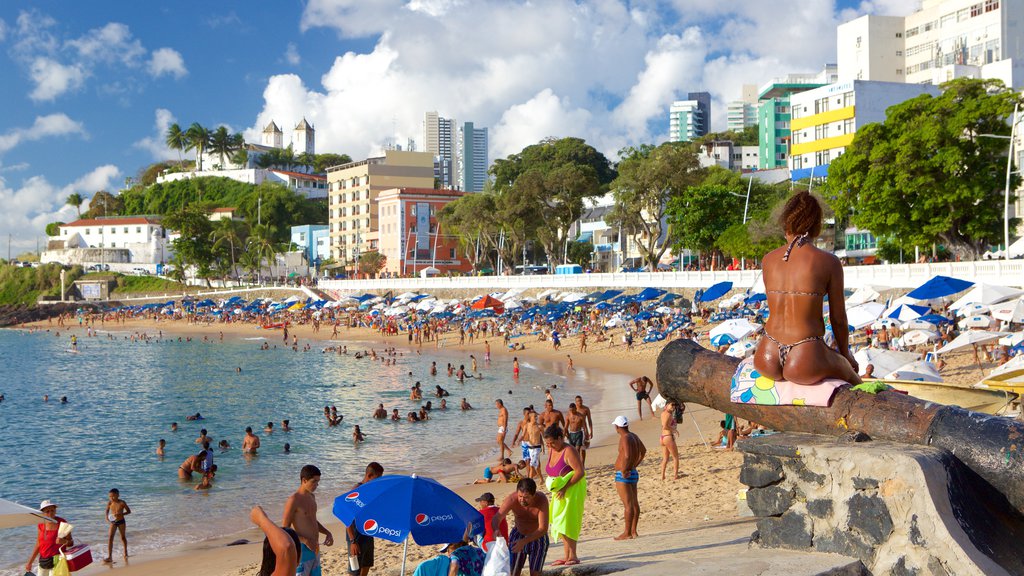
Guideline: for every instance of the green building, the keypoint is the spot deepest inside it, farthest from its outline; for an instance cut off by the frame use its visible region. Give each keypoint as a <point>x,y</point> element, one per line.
<point>773,113</point>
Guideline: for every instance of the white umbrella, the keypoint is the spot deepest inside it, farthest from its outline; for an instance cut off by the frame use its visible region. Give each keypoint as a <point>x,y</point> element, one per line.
<point>884,361</point>
<point>918,337</point>
<point>573,297</point>
<point>741,349</point>
<point>512,305</point>
<point>978,321</point>
<point>917,325</point>
<point>863,295</point>
<point>972,309</point>
<point>663,310</point>
<point>737,328</point>
<point>1012,339</point>
<point>1016,364</point>
<point>1009,311</point>
<point>885,323</point>
<point>864,314</point>
<point>546,293</point>
<point>986,294</point>
<point>918,371</point>
<point>13,515</point>
<point>425,305</point>
<point>407,296</point>
<point>613,322</point>
<point>903,313</point>
<point>969,338</point>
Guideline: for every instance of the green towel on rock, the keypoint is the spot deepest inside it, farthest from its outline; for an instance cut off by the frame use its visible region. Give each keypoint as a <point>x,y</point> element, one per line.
<point>566,514</point>
<point>872,387</point>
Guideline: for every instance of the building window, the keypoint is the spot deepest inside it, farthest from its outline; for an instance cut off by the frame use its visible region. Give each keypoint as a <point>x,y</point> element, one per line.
<point>899,52</point>
<point>991,5</point>
<point>451,253</point>
<point>138,229</point>
<point>125,229</point>
<point>976,9</point>
<point>86,231</point>
<point>899,34</point>
<point>848,126</point>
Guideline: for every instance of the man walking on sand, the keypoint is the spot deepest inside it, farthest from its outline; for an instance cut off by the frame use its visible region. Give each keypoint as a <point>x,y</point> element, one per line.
<point>631,454</point>
<point>529,537</point>
<point>643,387</point>
<point>360,545</point>
<point>584,411</point>
<point>300,515</point>
<point>502,428</point>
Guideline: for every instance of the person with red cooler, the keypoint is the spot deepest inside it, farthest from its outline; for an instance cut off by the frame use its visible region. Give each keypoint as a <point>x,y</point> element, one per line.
<point>489,510</point>
<point>48,545</point>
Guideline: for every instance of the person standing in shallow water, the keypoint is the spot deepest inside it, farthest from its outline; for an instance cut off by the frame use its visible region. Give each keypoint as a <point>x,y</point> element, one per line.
<point>797,277</point>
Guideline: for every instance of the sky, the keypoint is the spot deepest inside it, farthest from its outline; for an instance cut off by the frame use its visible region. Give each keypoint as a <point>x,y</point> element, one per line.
<point>89,88</point>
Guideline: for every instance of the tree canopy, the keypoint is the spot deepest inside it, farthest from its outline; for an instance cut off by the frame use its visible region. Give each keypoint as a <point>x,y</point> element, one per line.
<point>927,174</point>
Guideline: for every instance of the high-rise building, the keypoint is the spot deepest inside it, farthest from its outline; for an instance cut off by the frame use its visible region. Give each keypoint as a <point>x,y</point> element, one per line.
<point>943,40</point>
<point>773,113</point>
<point>691,118</point>
<point>743,112</point>
<point>352,197</point>
<point>441,137</point>
<point>472,159</point>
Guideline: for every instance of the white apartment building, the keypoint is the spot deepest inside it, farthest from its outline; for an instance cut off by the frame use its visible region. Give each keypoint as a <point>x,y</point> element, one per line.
<point>743,112</point>
<point>441,137</point>
<point>689,119</point>
<point>824,120</point>
<point>122,242</point>
<point>725,154</point>
<point>943,40</point>
<point>309,185</point>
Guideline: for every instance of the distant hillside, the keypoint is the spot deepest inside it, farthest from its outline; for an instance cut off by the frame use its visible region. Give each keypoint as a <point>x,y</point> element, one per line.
<point>24,285</point>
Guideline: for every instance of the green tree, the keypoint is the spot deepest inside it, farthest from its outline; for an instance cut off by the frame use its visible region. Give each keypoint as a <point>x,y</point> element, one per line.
<point>104,203</point>
<point>325,161</point>
<point>699,215</point>
<point>176,139</point>
<point>372,262</point>
<point>75,199</point>
<point>147,175</point>
<point>473,220</point>
<point>228,233</point>
<point>581,253</point>
<point>261,243</point>
<point>223,143</point>
<point>648,178</point>
<point>193,247</point>
<point>53,228</point>
<point>925,175</point>
<point>197,138</point>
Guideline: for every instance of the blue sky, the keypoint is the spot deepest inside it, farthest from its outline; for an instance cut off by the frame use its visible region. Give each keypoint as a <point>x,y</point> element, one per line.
<point>89,87</point>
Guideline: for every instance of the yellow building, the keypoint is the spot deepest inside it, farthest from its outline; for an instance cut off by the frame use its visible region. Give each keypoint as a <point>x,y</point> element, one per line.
<point>352,196</point>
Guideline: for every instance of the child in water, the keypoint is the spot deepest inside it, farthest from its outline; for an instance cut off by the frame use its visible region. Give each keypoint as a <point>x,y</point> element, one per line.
<point>116,510</point>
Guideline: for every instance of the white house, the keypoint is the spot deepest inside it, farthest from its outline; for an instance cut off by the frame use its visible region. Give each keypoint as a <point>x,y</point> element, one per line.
<point>122,242</point>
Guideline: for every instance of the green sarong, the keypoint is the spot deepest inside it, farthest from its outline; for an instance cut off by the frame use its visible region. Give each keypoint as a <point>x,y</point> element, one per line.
<point>566,514</point>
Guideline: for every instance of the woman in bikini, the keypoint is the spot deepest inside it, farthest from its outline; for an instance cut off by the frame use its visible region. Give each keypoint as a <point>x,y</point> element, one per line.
<point>668,438</point>
<point>797,277</point>
<point>563,459</point>
<point>190,465</point>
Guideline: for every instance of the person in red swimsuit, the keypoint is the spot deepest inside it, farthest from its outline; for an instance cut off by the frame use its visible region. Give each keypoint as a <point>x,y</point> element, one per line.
<point>47,544</point>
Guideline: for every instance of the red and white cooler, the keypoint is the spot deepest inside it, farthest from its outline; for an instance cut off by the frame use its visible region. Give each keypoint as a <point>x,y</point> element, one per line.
<point>78,557</point>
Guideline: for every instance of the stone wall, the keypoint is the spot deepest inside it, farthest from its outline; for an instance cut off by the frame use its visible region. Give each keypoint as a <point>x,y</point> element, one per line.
<point>900,509</point>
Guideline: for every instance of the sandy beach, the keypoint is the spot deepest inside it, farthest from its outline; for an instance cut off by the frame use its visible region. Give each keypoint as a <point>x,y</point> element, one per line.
<point>706,494</point>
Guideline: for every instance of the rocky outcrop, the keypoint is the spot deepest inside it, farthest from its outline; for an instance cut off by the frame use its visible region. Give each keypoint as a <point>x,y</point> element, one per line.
<point>15,314</point>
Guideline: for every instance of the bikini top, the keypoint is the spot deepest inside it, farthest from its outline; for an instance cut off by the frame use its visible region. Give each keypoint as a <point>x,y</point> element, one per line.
<point>798,241</point>
<point>559,468</point>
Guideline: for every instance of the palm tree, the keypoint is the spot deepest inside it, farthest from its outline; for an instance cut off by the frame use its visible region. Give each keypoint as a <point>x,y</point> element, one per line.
<point>261,243</point>
<point>224,143</point>
<point>227,232</point>
<point>176,140</point>
<point>198,139</point>
<point>75,199</point>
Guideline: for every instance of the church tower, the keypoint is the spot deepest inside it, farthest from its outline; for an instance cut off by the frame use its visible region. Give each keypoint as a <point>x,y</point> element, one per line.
<point>272,136</point>
<point>304,140</point>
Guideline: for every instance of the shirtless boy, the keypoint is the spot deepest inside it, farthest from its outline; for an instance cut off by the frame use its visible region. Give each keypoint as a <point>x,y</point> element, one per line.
<point>631,454</point>
<point>529,537</point>
<point>643,386</point>
<point>300,515</point>
<point>502,427</point>
<point>251,443</point>
<point>532,439</point>
<point>116,510</point>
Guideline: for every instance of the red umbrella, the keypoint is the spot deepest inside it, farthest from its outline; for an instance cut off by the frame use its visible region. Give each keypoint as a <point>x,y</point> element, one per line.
<point>489,301</point>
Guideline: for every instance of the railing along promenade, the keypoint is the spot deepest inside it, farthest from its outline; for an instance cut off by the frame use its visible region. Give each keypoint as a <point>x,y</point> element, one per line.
<point>1006,273</point>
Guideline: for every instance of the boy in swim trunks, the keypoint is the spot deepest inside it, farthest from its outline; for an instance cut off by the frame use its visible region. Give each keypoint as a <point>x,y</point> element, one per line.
<point>300,514</point>
<point>631,454</point>
<point>116,510</point>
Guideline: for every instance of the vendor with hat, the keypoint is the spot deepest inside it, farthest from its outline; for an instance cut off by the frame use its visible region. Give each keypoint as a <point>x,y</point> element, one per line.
<point>485,502</point>
<point>48,543</point>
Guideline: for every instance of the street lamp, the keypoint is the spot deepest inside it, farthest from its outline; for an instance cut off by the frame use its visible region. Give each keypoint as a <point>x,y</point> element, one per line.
<point>1009,171</point>
<point>746,206</point>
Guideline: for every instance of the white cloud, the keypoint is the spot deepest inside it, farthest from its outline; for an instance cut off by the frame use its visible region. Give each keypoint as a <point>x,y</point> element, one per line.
<point>157,143</point>
<point>53,79</point>
<point>167,61</point>
<point>291,54</point>
<point>539,117</point>
<point>111,43</point>
<point>44,126</point>
<point>36,202</point>
<point>3,30</point>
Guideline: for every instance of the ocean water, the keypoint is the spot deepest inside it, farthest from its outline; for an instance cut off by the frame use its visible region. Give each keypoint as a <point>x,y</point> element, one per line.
<point>123,396</point>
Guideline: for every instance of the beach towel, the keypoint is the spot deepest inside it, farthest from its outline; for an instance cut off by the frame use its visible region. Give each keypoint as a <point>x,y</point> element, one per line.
<point>750,387</point>
<point>566,514</point>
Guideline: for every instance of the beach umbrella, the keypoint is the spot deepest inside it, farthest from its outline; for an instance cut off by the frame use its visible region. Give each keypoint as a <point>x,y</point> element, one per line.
<point>720,340</point>
<point>884,361</point>
<point>663,310</point>
<point>863,295</point>
<point>613,323</point>
<point>884,323</point>
<point>13,515</point>
<point>970,338</point>
<point>977,321</point>
<point>918,337</point>
<point>395,507</point>
<point>737,329</point>
<point>972,309</point>
<point>917,325</point>
<point>574,297</point>
<point>917,371</point>
<point>1009,311</point>
<point>741,349</point>
<point>715,292</point>
<point>938,287</point>
<point>986,294</point>
<point>650,294</point>
<point>1012,340</point>
<point>934,319</point>
<point>758,297</point>
<point>905,312</point>
<point>864,314</point>
<point>1013,368</point>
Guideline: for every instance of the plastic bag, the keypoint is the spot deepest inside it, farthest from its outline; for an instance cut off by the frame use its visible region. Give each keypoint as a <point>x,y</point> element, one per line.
<point>499,560</point>
<point>60,567</point>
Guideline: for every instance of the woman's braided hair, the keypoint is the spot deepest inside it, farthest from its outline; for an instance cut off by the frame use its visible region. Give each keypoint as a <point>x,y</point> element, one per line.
<point>802,214</point>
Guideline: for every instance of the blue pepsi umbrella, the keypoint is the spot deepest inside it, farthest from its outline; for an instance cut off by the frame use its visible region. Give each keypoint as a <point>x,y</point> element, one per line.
<point>935,319</point>
<point>722,340</point>
<point>715,292</point>
<point>756,297</point>
<point>938,287</point>
<point>909,312</point>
